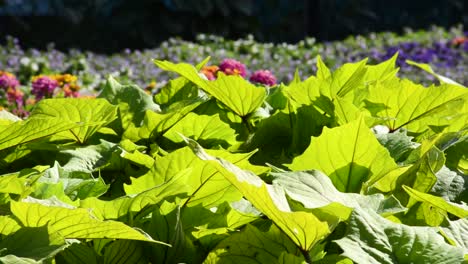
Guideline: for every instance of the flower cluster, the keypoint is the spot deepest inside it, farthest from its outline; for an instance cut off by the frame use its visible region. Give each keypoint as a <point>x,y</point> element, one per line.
<point>47,85</point>
<point>234,67</point>
<point>43,86</point>
<point>264,77</point>
<point>10,91</point>
<point>68,83</point>
<point>19,100</point>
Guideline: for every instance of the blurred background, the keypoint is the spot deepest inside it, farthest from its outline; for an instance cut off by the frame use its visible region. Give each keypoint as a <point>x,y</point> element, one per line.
<point>109,26</point>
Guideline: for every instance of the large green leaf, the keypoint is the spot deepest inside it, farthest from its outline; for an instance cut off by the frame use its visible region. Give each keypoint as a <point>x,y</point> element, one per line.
<point>414,106</point>
<point>128,206</point>
<point>236,93</point>
<point>93,113</point>
<point>89,158</point>
<point>8,225</point>
<point>346,78</point>
<point>350,155</point>
<point>314,189</point>
<point>303,228</point>
<point>32,129</point>
<point>124,252</point>
<point>228,217</point>
<point>451,185</point>
<point>155,124</point>
<point>179,89</point>
<point>253,246</point>
<point>457,231</point>
<point>80,253</point>
<point>210,131</point>
<point>137,100</point>
<point>166,225</point>
<point>398,143</point>
<point>12,183</point>
<point>372,239</point>
<point>57,181</point>
<point>30,244</point>
<point>73,223</point>
<point>437,202</point>
<point>207,185</point>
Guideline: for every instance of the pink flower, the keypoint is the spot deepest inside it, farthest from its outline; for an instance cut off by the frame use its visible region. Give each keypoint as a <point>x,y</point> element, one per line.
<point>264,77</point>
<point>8,80</point>
<point>233,67</point>
<point>15,95</point>
<point>43,86</point>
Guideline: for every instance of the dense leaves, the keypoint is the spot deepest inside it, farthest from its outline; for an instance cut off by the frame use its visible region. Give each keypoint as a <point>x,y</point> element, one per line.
<point>353,165</point>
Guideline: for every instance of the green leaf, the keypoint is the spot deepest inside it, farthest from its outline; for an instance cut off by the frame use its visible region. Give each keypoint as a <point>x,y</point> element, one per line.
<point>437,202</point>
<point>451,186</point>
<point>73,223</point>
<point>304,229</point>
<point>399,144</point>
<point>427,68</point>
<point>457,157</point>
<point>314,189</point>
<point>12,183</point>
<point>8,225</point>
<point>93,113</point>
<point>124,252</point>
<point>345,79</point>
<point>179,89</point>
<point>323,72</point>
<point>32,129</point>
<point>350,155</point>
<point>31,244</point>
<point>237,94</point>
<point>74,184</point>
<point>155,124</point>
<point>137,100</point>
<point>371,239</point>
<point>130,205</point>
<point>382,71</point>
<point>210,131</point>
<point>207,185</point>
<point>89,158</point>
<point>253,246</point>
<point>79,253</point>
<point>167,225</point>
<point>414,106</point>
<point>457,231</point>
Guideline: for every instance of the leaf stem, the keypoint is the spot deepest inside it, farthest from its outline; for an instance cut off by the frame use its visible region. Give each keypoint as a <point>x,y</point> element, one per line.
<point>306,255</point>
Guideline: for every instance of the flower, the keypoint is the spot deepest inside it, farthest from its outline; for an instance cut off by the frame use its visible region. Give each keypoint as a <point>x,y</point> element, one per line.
<point>71,90</point>
<point>459,40</point>
<point>43,86</point>
<point>63,79</point>
<point>233,67</point>
<point>264,77</point>
<point>15,95</point>
<point>8,80</point>
<point>210,72</point>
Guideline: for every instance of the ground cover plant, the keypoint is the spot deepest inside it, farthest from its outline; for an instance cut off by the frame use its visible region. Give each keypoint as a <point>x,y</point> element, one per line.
<point>351,165</point>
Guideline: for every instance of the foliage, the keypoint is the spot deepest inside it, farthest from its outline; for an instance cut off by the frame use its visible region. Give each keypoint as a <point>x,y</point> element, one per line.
<point>352,165</point>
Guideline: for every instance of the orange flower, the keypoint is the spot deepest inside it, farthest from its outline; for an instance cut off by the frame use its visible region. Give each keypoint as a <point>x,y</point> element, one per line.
<point>459,40</point>
<point>210,72</point>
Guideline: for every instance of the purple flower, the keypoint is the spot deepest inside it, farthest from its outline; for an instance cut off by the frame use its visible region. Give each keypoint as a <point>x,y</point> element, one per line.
<point>8,80</point>
<point>233,67</point>
<point>43,86</point>
<point>264,77</point>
